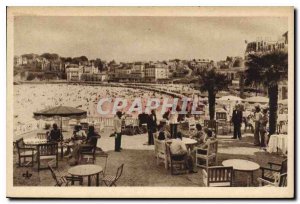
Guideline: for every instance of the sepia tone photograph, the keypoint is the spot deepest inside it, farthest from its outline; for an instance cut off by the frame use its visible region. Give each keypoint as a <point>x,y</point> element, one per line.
<point>102,99</point>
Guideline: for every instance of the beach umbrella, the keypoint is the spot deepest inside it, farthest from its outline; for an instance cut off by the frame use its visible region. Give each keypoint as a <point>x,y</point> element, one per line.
<point>229,98</point>
<point>60,111</point>
<point>257,99</point>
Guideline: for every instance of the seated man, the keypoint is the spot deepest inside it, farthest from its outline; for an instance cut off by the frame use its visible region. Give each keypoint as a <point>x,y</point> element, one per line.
<point>162,132</point>
<point>199,135</point>
<point>209,138</point>
<point>91,142</point>
<point>179,152</point>
<point>55,134</point>
<point>78,133</point>
<point>78,138</point>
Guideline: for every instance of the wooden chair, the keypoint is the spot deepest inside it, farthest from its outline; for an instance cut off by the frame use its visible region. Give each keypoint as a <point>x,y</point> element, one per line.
<point>269,172</point>
<point>24,152</point>
<point>280,180</point>
<point>87,154</point>
<point>46,152</point>
<point>161,152</point>
<point>221,116</point>
<point>211,124</point>
<point>104,155</point>
<point>211,154</point>
<point>112,180</point>
<point>178,166</point>
<point>218,176</point>
<point>61,180</point>
<point>41,135</point>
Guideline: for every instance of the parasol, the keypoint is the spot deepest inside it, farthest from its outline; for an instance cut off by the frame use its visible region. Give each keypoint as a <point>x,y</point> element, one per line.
<point>60,111</point>
<point>257,99</point>
<point>229,98</point>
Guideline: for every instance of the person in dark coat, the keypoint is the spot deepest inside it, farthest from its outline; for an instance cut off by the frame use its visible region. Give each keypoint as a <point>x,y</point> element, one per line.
<point>237,119</point>
<point>152,125</point>
<point>55,134</point>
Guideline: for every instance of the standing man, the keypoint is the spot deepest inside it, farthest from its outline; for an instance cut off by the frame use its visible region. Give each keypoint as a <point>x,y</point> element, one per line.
<point>118,131</point>
<point>152,125</point>
<point>257,120</point>
<point>173,124</point>
<point>237,119</point>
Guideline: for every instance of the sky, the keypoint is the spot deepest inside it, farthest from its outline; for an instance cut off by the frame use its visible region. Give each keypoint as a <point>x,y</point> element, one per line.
<point>126,39</point>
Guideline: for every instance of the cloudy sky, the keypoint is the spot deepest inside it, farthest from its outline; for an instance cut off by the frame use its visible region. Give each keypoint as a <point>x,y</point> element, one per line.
<point>142,38</point>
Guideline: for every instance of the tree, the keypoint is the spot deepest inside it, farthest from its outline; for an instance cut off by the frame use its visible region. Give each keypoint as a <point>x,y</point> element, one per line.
<point>83,59</point>
<point>99,64</point>
<point>112,63</point>
<point>270,68</point>
<point>50,57</point>
<point>212,82</point>
<point>253,76</point>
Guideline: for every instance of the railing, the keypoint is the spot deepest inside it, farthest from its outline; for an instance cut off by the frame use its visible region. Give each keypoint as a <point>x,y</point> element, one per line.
<point>109,122</point>
<point>99,123</point>
<point>29,126</point>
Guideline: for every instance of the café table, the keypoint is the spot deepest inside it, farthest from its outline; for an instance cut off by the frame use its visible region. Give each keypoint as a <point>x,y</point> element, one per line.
<point>189,143</point>
<point>242,165</point>
<point>278,142</point>
<point>88,170</point>
<point>34,141</point>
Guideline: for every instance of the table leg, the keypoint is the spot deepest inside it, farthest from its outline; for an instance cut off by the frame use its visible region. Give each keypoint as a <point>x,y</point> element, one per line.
<point>89,180</point>
<point>249,178</point>
<point>97,179</point>
<point>252,178</point>
<point>233,177</point>
<point>62,151</point>
<point>72,182</point>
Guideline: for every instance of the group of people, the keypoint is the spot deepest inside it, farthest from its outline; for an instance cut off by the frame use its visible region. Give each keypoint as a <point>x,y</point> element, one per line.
<point>178,147</point>
<point>79,142</point>
<point>260,119</point>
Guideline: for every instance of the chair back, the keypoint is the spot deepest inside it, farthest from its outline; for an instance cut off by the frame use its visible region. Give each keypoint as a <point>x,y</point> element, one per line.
<point>219,176</point>
<point>41,135</point>
<point>221,116</point>
<point>47,149</point>
<point>103,155</point>
<point>211,124</point>
<point>160,147</point>
<point>119,172</point>
<point>168,151</point>
<point>283,167</point>
<point>55,174</point>
<point>20,144</point>
<point>283,180</point>
<point>212,148</point>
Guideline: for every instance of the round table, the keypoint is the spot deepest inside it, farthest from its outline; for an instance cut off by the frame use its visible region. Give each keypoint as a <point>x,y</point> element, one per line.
<point>244,166</point>
<point>278,142</point>
<point>86,170</point>
<point>189,143</point>
<point>34,141</point>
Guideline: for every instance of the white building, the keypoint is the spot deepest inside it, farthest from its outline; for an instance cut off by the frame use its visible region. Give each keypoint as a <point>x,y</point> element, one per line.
<point>156,72</point>
<point>74,72</point>
<point>91,69</point>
